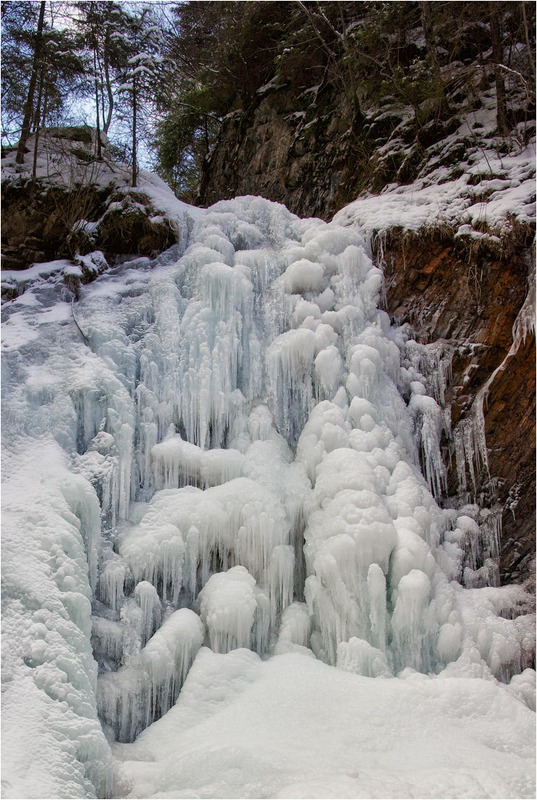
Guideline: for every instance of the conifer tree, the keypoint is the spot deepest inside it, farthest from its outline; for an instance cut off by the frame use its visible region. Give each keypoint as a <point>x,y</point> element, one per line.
<point>42,68</point>
<point>141,73</point>
<point>106,55</point>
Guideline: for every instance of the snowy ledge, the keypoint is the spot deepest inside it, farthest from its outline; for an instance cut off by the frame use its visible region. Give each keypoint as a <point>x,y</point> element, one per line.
<point>492,201</point>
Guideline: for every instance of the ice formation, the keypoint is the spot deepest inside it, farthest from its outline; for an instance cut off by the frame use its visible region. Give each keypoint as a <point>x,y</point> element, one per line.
<point>230,458</point>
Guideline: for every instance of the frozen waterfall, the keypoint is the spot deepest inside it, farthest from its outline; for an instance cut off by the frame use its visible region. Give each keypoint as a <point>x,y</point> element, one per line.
<point>231,464</point>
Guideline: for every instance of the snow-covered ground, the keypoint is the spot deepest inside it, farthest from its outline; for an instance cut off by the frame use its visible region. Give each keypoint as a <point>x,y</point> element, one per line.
<point>211,469</point>
<point>68,162</point>
<point>295,727</point>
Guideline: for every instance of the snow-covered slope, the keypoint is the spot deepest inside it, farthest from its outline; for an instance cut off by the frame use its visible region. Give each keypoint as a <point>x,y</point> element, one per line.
<point>214,448</point>
<point>493,195</point>
<point>67,157</point>
<point>294,727</point>
<point>76,204</point>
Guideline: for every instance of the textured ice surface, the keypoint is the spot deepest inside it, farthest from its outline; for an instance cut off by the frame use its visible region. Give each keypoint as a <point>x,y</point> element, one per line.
<point>228,455</point>
<point>52,744</point>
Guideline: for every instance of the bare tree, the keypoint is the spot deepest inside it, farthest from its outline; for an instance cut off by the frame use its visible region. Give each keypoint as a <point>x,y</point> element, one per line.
<point>29,109</point>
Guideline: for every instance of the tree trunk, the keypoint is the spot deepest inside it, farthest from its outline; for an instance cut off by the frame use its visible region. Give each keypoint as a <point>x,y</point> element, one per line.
<point>497,56</point>
<point>134,132</point>
<point>37,124</point>
<point>531,54</point>
<point>108,82</point>
<point>29,104</point>
<point>97,114</point>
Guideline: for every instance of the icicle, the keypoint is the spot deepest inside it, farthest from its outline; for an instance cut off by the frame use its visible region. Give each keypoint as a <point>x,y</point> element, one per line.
<point>429,425</point>
<point>295,629</point>
<point>281,570</point>
<point>177,463</point>
<point>471,447</point>
<point>84,504</point>
<point>409,621</point>
<point>524,324</point>
<point>328,369</point>
<point>147,598</point>
<point>133,697</point>
<point>107,641</point>
<point>112,581</point>
<point>132,624</point>
<point>263,623</point>
<point>290,367</point>
<point>376,584</point>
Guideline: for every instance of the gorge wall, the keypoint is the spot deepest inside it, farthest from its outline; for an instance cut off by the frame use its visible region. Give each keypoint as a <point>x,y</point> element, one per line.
<point>469,304</point>
<point>294,147</point>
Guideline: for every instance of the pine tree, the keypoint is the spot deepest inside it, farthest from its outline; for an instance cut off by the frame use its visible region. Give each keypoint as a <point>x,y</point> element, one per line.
<point>106,55</point>
<point>142,72</point>
<point>29,109</point>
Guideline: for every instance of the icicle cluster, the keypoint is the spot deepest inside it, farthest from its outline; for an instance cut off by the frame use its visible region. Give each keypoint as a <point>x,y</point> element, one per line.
<point>266,334</point>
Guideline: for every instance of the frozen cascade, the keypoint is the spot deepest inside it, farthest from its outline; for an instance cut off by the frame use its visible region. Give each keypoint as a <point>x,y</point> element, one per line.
<point>243,435</point>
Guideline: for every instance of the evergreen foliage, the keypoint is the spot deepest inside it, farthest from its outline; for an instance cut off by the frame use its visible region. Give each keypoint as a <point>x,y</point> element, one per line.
<point>43,71</point>
<point>60,55</point>
<point>170,73</point>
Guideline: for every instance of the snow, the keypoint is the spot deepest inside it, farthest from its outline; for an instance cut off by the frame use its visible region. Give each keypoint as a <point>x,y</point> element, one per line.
<point>57,165</point>
<point>52,741</point>
<point>213,458</point>
<point>436,199</point>
<point>293,727</point>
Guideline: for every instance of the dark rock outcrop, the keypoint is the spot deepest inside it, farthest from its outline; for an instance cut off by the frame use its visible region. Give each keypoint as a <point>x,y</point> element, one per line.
<point>42,223</point>
<point>75,204</point>
<point>300,148</point>
<point>38,219</point>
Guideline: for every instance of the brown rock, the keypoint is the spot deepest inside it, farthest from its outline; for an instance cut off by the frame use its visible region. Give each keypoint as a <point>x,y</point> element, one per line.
<point>472,303</point>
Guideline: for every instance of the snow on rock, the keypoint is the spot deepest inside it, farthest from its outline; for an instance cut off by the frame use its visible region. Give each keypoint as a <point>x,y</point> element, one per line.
<point>59,163</point>
<point>507,180</point>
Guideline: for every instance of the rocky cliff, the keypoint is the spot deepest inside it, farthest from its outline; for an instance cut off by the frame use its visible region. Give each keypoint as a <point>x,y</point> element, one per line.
<point>294,147</point>
<point>476,310</point>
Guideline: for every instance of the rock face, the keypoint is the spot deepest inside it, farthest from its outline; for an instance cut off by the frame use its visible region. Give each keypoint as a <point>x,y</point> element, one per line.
<point>38,220</point>
<point>479,307</point>
<point>42,223</point>
<point>294,148</point>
